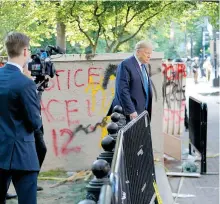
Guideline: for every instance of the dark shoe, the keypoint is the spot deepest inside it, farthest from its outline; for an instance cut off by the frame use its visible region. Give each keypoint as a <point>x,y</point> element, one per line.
<point>10,196</point>
<point>39,188</point>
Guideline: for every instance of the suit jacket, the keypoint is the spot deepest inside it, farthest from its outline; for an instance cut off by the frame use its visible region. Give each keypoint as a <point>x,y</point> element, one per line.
<point>129,88</point>
<point>19,118</point>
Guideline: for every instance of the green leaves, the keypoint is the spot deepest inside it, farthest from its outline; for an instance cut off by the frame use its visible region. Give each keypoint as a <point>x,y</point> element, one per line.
<point>105,25</point>
<point>28,17</point>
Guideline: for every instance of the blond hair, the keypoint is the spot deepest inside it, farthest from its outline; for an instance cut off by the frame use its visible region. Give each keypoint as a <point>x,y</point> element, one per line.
<point>15,42</point>
<point>143,44</point>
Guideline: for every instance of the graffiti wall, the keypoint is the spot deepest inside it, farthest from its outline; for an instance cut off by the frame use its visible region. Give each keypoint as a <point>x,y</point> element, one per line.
<point>75,105</point>
<point>174,83</point>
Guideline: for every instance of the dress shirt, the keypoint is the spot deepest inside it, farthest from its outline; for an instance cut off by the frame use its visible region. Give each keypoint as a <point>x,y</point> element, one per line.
<point>16,65</point>
<point>139,63</point>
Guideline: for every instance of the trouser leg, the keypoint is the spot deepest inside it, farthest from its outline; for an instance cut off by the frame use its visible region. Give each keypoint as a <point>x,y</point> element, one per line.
<point>25,183</point>
<point>5,180</point>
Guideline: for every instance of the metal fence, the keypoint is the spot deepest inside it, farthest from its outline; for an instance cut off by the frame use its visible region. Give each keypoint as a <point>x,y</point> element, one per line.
<point>132,171</point>
<point>198,129</point>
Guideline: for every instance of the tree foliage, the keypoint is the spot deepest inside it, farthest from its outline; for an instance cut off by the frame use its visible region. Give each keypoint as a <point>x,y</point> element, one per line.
<point>101,26</point>
<point>116,22</point>
<point>28,17</point>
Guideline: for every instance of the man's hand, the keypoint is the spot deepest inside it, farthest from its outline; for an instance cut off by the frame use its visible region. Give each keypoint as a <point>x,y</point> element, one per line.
<point>133,115</point>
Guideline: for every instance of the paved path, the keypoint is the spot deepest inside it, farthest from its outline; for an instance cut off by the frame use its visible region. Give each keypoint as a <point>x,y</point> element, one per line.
<point>205,188</point>
<point>69,193</point>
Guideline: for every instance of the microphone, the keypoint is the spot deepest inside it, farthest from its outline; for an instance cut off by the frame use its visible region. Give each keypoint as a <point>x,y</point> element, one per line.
<point>57,49</point>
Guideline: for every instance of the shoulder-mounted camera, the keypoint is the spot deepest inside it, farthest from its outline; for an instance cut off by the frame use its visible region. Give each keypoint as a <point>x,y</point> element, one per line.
<point>41,66</point>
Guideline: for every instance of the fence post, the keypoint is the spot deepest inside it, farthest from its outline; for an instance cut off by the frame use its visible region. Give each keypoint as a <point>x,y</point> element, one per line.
<point>100,169</point>
<point>122,120</point>
<point>115,117</point>
<point>112,129</point>
<point>108,144</point>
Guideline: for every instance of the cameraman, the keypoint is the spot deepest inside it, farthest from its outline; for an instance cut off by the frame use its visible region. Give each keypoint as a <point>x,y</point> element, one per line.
<point>19,119</point>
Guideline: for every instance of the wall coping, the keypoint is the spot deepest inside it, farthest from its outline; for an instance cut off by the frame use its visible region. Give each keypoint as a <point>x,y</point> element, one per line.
<point>99,57</point>
<point>95,57</point>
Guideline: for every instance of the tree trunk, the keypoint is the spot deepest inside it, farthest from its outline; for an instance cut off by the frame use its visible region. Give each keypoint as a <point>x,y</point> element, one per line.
<point>61,35</point>
<point>109,49</point>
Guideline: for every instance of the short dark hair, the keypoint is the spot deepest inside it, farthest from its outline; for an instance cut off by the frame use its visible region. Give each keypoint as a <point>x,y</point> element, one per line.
<point>15,42</point>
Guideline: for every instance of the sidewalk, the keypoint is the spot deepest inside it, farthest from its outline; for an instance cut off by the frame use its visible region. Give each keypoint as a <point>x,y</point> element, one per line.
<point>69,193</point>
<point>206,188</point>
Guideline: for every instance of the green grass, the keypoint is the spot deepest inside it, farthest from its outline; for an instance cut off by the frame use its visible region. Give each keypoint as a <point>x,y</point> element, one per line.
<point>54,173</point>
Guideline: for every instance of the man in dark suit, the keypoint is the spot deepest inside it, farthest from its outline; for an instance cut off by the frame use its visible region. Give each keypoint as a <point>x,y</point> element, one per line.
<point>133,85</point>
<point>8,196</point>
<point>19,119</point>
<point>38,135</point>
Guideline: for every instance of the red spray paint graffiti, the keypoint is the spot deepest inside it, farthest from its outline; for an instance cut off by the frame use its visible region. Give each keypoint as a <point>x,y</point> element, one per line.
<point>73,78</point>
<point>174,115</point>
<point>174,71</point>
<point>67,111</point>
<point>69,108</point>
<point>66,147</point>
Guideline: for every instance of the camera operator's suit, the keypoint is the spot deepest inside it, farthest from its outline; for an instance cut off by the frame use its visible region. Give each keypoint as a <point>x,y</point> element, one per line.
<point>19,119</point>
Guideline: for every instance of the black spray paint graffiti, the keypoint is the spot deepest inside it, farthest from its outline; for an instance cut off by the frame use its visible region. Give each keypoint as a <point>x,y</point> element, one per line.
<point>173,91</point>
<point>111,71</point>
<point>87,129</point>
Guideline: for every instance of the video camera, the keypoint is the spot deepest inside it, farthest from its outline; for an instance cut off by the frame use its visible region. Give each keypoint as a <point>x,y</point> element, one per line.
<point>41,66</point>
